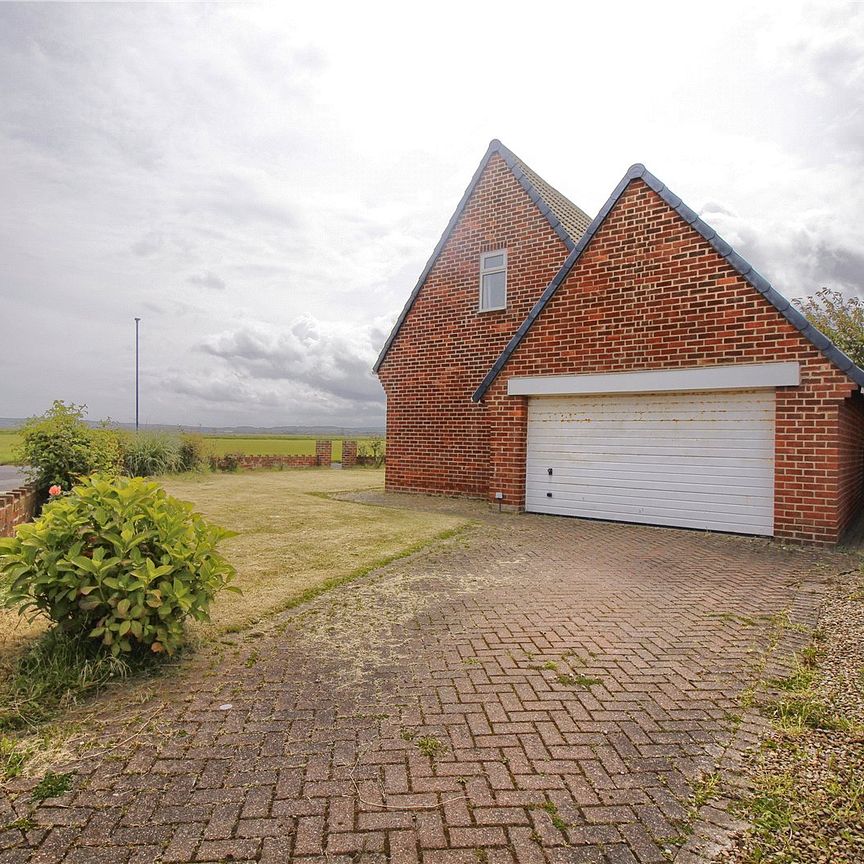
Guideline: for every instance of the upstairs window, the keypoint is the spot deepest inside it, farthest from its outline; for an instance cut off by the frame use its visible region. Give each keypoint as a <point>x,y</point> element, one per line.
<point>493,280</point>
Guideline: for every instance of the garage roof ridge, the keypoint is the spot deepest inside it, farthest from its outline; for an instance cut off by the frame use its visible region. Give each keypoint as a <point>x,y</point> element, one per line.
<point>738,263</point>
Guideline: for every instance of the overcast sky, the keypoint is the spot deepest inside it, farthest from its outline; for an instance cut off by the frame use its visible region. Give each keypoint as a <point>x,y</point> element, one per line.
<point>263,185</point>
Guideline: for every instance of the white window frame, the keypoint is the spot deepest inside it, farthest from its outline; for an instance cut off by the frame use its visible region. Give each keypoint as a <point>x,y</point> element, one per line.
<point>485,271</point>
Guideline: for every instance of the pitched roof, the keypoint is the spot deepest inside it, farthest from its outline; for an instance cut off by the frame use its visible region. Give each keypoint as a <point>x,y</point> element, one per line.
<point>574,219</point>
<point>564,217</point>
<point>750,275</point>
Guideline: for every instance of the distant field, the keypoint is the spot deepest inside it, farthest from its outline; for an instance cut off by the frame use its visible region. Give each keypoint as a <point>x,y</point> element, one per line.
<point>272,445</point>
<point>219,445</point>
<point>8,441</point>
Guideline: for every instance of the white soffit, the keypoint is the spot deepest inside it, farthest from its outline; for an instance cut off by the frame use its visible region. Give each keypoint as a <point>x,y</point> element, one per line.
<point>740,376</point>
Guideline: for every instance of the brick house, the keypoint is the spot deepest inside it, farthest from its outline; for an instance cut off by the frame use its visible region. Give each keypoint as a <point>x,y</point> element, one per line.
<point>632,367</point>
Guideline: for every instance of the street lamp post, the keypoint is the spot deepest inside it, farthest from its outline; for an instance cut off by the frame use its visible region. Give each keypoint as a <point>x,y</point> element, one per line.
<point>137,320</point>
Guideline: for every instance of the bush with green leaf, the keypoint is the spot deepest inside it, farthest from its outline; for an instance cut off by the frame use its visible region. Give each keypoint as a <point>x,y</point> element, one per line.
<point>148,454</point>
<point>59,447</point>
<point>372,451</point>
<point>120,560</point>
<point>191,452</point>
<point>226,462</point>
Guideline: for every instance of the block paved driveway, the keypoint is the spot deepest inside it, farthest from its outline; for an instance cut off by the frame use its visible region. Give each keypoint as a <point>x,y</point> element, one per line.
<point>540,689</point>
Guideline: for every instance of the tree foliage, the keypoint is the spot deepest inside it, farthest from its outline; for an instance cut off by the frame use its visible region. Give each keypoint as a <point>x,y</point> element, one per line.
<point>840,318</point>
<point>59,447</point>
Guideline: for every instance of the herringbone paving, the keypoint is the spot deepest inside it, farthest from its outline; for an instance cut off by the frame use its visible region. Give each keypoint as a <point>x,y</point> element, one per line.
<point>540,690</point>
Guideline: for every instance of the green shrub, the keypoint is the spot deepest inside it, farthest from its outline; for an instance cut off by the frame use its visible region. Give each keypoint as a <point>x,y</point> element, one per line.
<point>59,447</point>
<point>226,462</point>
<point>120,560</point>
<point>191,452</point>
<point>372,451</point>
<point>147,454</point>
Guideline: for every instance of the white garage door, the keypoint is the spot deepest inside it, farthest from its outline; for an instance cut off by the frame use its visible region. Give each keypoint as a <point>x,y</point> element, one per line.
<point>694,460</point>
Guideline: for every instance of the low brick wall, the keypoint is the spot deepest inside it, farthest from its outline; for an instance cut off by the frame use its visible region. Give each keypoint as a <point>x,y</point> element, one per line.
<point>16,506</point>
<point>371,460</point>
<point>277,462</point>
<point>321,458</point>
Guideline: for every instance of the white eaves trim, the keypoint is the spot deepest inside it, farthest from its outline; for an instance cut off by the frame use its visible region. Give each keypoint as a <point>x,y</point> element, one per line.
<point>741,376</point>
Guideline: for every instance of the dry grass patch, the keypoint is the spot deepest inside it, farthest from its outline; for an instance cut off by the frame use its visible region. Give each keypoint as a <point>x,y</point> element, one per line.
<point>16,633</point>
<point>294,539</point>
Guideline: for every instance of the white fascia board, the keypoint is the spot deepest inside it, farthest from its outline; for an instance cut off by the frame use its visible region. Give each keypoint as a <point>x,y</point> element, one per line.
<point>741,376</point>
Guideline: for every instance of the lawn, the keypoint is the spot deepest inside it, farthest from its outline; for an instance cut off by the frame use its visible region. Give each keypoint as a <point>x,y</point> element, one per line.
<point>293,539</point>
<point>292,542</point>
<point>8,441</point>
<point>272,445</point>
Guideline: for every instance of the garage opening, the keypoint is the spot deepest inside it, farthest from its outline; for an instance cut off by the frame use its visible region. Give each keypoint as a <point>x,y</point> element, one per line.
<point>685,459</point>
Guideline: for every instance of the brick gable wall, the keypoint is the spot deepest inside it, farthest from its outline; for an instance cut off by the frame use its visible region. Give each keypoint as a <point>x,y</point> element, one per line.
<point>650,293</point>
<point>437,439</point>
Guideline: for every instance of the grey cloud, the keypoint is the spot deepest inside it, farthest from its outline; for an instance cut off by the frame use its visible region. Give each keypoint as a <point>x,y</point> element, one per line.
<point>207,280</point>
<point>227,388</point>
<point>334,360</point>
<point>151,243</point>
<point>240,197</point>
<point>797,258</point>
<point>711,209</point>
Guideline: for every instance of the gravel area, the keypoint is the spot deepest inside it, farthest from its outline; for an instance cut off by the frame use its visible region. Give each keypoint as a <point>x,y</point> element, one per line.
<point>807,795</point>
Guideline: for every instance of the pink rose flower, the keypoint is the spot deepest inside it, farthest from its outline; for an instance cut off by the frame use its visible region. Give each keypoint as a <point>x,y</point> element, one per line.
<point>54,491</point>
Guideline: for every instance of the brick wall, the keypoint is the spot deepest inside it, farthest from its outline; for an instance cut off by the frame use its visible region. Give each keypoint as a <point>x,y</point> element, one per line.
<point>650,293</point>
<point>321,458</point>
<point>16,506</point>
<point>277,462</point>
<point>437,439</point>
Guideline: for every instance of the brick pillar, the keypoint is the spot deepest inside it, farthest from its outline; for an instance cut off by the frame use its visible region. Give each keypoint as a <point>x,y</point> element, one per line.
<point>324,452</point>
<point>349,454</point>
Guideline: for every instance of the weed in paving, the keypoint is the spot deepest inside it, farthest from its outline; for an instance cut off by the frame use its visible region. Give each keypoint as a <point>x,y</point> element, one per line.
<point>429,746</point>
<point>25,823</point>
<point>554,816</point>
<point>52,785</point>
<point>12,759</point>
<point>705,789</point>
<point>577,680</point>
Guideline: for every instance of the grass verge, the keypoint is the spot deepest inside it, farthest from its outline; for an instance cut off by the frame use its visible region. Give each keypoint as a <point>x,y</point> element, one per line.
<point>807,798</point>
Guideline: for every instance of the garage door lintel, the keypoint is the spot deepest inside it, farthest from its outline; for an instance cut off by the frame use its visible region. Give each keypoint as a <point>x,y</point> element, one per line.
<point>740,376</point>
